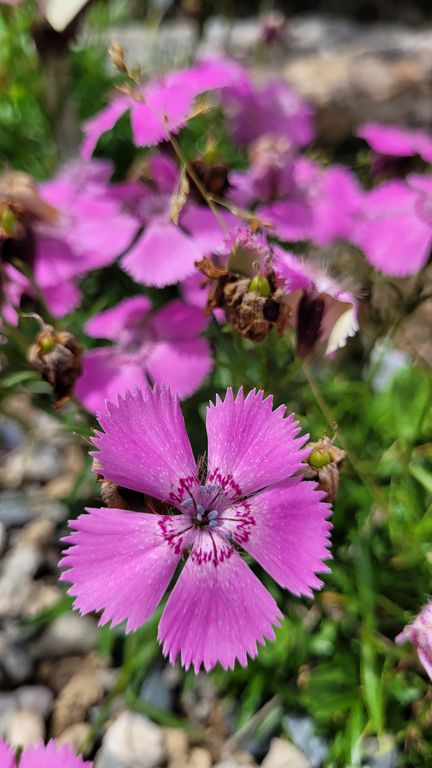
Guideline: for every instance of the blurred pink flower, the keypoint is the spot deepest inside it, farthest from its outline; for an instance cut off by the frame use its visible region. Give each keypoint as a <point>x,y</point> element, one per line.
<point>322,206</point>
<point>270,175</point>
<point>323,310</point>
<point>165,253</point>
<point>89,232</point>
<point>248,494</point>
<point>41,756</point>
<point>273,108</point>
<point>419,633</point>
<point>397,142</point>
<point>394,228</point>
<point>162,106</point>
<point>162,345</point>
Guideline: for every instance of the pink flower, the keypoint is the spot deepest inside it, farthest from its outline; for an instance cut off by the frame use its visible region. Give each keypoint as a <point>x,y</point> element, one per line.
<point>323,310</point>
<point>245,495</point>
<point>419,633</point>
<point>322,207</point>
<point>87,230</point>
<point>392,228</point>
<point>165,253</point>
<point>273,108</point>
<point>397,142</point>
<point>270,175</point>
<point>40,756</point>
<point>161,106</point>
<point>163,346</point>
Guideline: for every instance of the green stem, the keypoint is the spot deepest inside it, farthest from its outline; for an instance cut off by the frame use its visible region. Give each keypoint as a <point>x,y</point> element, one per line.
<point>197,182</point>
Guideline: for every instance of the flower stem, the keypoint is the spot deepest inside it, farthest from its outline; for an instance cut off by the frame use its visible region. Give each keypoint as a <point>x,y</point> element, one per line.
<point>200,186</point>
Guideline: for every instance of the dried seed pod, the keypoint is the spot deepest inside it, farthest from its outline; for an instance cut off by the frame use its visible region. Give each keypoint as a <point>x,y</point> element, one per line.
<point>252,307</point>
<point>324,462</point>
<point>212,175</point>
<point>56,355</point>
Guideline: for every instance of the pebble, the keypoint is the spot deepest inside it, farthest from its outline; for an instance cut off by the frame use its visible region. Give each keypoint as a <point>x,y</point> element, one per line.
<point>15,510</point>
<point>176,743</point>
<point>132,741</point>
<point>67,635</point>
<point>199,758</point>
<point>16,662</point>
<point>155,690</point>
<point>74,735</point>
<point>37,698</point>
<point>24,727</point>
<point>302,733</point>
<point>283,754</point>
<point>237,761</point>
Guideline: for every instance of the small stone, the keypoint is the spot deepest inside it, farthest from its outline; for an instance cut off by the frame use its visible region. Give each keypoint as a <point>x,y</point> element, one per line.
<point>176,743</point>
<point>67,635</point>
<point>11,434</point>
<point>3,537</point>
<point>24,727</point>
<point>38,532</point>
<point>37,698</point>
<point>301,731</point>
<point>15,510</point>
<point>75,735</point>
<point>132,741</point>
<point>82,692</point>
<point>16,662</point>
<point>155,691</point>
<point>283,754</point>
<point>240,760</point>
<point>8,705</point>
<point>199,758</point>
<point>41,597</point>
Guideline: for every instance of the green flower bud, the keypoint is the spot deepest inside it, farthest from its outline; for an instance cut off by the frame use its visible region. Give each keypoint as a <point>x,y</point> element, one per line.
<point>260,285</point>
<point>319,458</point>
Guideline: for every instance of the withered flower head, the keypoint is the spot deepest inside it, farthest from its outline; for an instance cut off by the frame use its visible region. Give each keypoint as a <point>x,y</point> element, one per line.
<point>21,206</point>
<point>56,355</point>
<point>211,171</point>
<point>324,461</point>
<point>245,288</point>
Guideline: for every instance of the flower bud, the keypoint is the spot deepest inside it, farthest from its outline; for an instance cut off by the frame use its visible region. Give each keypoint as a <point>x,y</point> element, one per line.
<point>323,466</point>
<point>260,285</point>
<point>56,356</point>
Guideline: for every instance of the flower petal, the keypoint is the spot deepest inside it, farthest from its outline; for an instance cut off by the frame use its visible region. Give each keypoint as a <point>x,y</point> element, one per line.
<point>121,563</point>
<point>162,256</point>
<point>180,365</point>
<point>104,375</point>
<point>102,122</point>
<point>249,444</point>
<point>7,755</point>
<point>290,535</point>
<point>177,321</point>
<point>144,445</point>
<point>110,323</point>
<point>218,611</point>
<point>51,756</point>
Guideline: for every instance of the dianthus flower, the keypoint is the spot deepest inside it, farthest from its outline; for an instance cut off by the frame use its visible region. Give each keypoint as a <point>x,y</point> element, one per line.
<point>419,633</point>
<point>393,228</point>
<point>162,106</point>
<point>270,174</point>
<point>84,229</point>
<point>163,345</point>
<point>41,756</point>
<point>397,142</point>
<point>166,252</point>
<point>273,108</point>
<point>322,309</point>
<point>249,495</point>
<point>322,206</point>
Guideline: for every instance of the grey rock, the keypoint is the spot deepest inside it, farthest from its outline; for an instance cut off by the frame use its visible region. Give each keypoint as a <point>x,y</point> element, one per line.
<point>11,434</point>
<point>24,727</point>
<point>132,741</point>
<point>15,510</point>
<point>302,733</point>
<point>67,635</point>
<point>16,663</point>
<point>37,698</point>
<point>156,691</point>
<point>283,754</point>
<point>8,704</point>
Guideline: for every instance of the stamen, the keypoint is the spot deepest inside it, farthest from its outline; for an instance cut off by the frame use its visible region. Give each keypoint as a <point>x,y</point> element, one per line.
<point>200,511</point>
<point>213,514</point>
<point>187,502</point>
